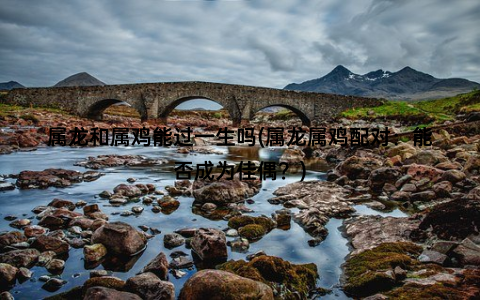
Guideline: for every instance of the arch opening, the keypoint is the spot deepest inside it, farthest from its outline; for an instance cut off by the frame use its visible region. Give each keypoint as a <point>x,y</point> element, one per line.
<point>197,111</point>
<point>113,109</point>
<point>280,113</point>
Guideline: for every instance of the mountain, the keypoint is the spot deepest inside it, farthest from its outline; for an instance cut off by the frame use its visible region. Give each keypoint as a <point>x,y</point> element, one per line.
<point>6,86</point>
<point>80,79</point>
<point>406,84</point>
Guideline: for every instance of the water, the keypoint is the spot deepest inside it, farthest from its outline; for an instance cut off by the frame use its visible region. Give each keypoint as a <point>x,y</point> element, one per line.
<point>290,245</point>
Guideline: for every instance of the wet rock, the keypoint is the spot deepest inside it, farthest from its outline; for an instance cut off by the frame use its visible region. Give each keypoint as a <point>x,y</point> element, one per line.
<point>137,209</point>
<point>83,223</point>
<point>172,240</point>
<point>453,220</point>
<point>168,204</point>
<point>213,284</point>
<point>292,156</point>
<point>224,191</point>
<point>239,244</point>
<point>178,273</point>
<point>367,232</point>
<point>256,254</point>
<point>252,232</point>
<point>277,273</point>
<point>6,296</point>
<point>115,160</point>
<point>94,253</point>
<point>283,218</point>
<point>53,284</point>
<point>49,243</point>
<point>6,186</point>
<point>45,257</point>
<point>119,238</point>
<point>103,293</point>
<point>181,262</point>
<point>8,274</point>
<point>318,202</point>
<point>20,258</point>
<point>187,232</point>
<point>51,177</point>
<point>61,203</point>
<point>55,266</point>
<point>24,273</point>
<point>148,286</point>
<point>208,207</point>
<point>20,223</point>
<point>130,191</point>
<point>210,244</point>
<point>12,237</point>
<point>34,231</point>
<point>158,266</point>
<point>104,281</point>
<point>105,195</point>
<point>100,273</point>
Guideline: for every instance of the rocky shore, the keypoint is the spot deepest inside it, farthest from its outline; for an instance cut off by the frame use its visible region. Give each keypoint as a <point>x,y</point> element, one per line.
<point>433,252</point>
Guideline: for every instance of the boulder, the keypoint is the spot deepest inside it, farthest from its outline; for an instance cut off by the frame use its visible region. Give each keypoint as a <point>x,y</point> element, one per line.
<point>120,238</point>
<point>224,191</point>
<point>94,253</point>
<point>8,274</point>
<point>150,287</point>
<point>49,243</point>
<point>158,266</point>
<point>358,167</point>
<point>20,258</point>
<point>103,293</point>
<point>210,244</point>
<point>221,285</point>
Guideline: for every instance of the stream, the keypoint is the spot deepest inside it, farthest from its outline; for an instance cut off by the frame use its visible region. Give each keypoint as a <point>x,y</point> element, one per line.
<point>289,244</point>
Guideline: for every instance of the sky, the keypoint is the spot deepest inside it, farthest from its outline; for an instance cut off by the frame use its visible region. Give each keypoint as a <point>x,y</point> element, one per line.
<point>252,42</point>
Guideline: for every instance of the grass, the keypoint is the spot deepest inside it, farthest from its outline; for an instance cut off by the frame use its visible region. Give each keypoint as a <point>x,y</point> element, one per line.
<point>438,110</point>
<point>8,110</point>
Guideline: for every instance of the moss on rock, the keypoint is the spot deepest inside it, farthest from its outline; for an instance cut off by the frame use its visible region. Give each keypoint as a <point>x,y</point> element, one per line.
<point>281,275</point>
<point>240,221</point>
<point>370,271</point>
<point>252,232</point>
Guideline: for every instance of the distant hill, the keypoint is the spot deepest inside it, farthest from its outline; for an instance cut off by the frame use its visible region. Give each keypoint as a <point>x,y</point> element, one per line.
<point>6,86</point>
<point>80,79</point>
<point>406,84</point>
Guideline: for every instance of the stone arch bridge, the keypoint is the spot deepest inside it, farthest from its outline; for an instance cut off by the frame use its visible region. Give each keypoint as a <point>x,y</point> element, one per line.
<point>157,100</point>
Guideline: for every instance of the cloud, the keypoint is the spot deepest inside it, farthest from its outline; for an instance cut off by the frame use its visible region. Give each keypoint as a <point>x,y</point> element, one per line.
<point>260,42</point>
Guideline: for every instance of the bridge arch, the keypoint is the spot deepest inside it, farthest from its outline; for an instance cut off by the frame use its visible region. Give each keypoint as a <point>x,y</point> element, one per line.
<point>95,110</point>
<point>305,119</point>
<point>230,106</point>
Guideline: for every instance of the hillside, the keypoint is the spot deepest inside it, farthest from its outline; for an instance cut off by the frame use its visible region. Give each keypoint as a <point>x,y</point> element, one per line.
<point>80,79</point>
<point>406,84</point>
<point>6,86</point>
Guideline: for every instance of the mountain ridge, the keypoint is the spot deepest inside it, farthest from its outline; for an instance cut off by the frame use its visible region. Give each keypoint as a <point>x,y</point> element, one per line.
<point>405,84</point>
<point>80,79</point>
<point>6,86</point>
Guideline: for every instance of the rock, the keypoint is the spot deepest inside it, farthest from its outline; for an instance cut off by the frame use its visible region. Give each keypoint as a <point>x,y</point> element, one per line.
<point>55,266</point>
<point>231,233</point>
<point>472,165</point>
<point>137,209</point>
<point>34,231</point>
<point>20,258</point>
<point>371,271</point>
<point>210,244</point>
<point>100,273</point>
<point>224,191</point>
<point>49,243</point>
<point>442,189</point>
<point>105,195</point>
<point>187,232</point>
<point>181,262</point>
<point>468,253</point>
<point>216,285</point>
<point>367,232</point>
<point>453,220</point>
<point>252,232</point>
<point>130,191</point>
<point>404,150</point>
<point>120,238</point>
<point>208,207</point>
<point>6,296</point>
<point>6,186</point>
<point>423,196</point>
<point>381,176</point>
<point>256,254</point>
<point>279,274</point>
<point>61,203</point>
<point>239,245</point>
<point>318,200</point>
<point>45,257</point>
<point>158,266</point>
<point>94,253</point>
<point>104,281</point>
<point>283,218</point>
<point>53,284</point>
<point>418,172</point>
<point>12,237</point>
<point>474,194</point>
<point>292,156</point>
<point>24,273</point>
<point>427,157</point>
<point>453,176</point>
<point>431,256</point>
<point>148,286</point>
<point>115,160</point>
<point>172,240</point>
<point>20,223</point>
<point>8,274</point>
<point>168,204</point>
<point>103,293</point>
<point>51,177</point>
<point>358,167</point>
